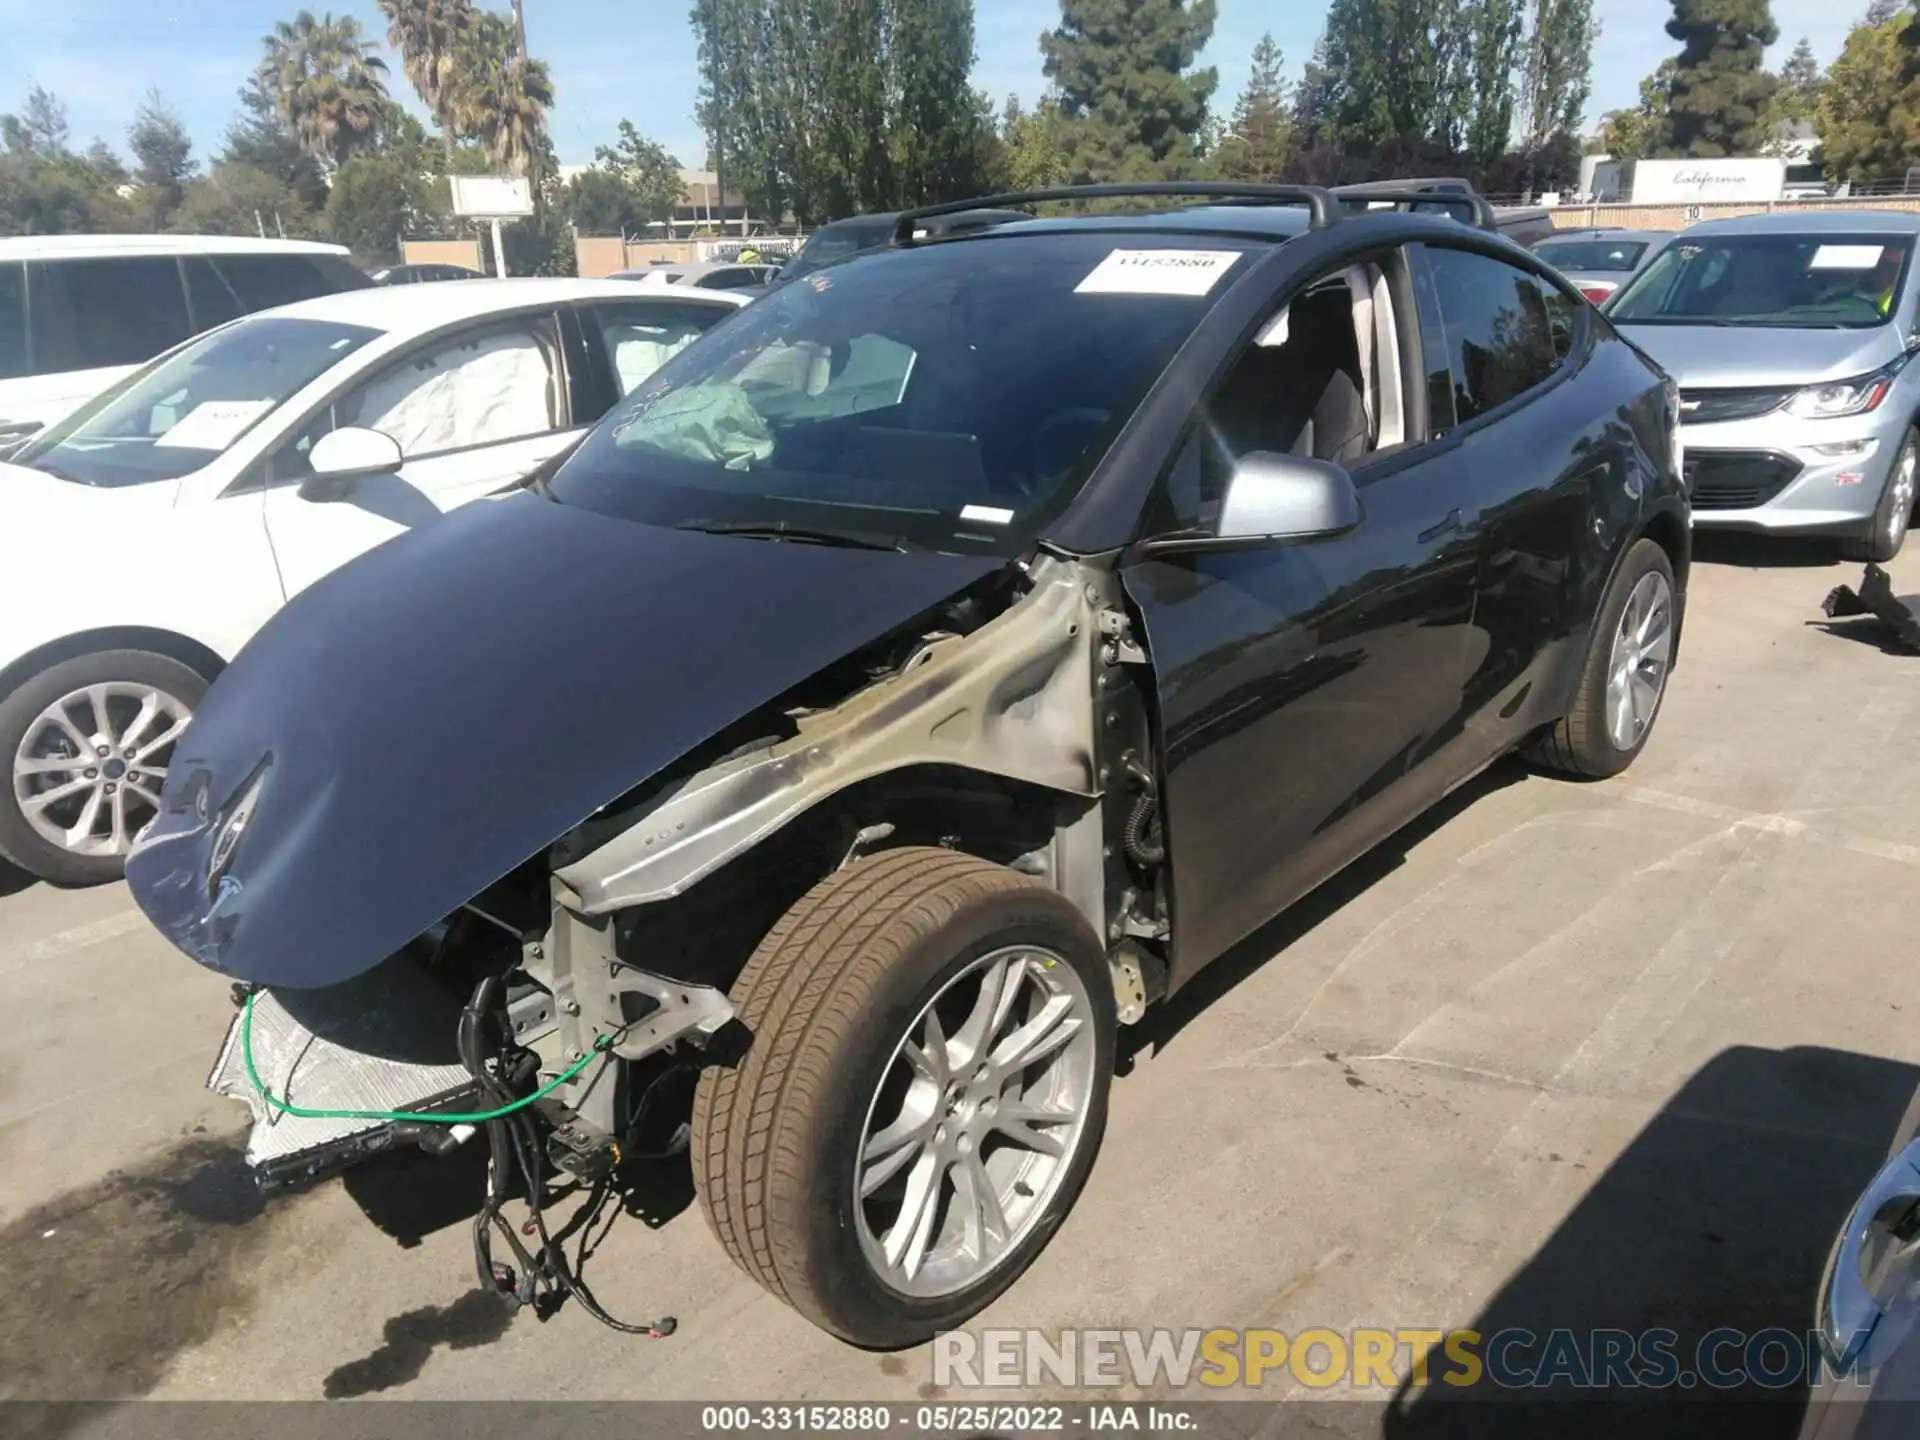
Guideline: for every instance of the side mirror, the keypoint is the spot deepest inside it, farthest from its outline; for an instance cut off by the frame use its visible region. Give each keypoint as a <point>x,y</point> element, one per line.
<point>1285,497</point>
<point>346,455</point>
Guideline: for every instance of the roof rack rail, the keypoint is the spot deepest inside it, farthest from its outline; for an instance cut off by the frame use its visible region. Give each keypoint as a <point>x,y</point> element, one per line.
<point>1322,209</point>
<point>1456,196</point>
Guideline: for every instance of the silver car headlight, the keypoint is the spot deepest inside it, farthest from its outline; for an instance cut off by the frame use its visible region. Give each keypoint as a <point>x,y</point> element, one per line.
<point>1857,396</point>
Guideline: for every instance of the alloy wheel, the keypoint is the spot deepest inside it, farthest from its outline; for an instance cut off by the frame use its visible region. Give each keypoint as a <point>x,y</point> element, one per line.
<point>87,774</point>
<point>1900,511</point>
<point>1642,655</point>
<point>976,1122</point>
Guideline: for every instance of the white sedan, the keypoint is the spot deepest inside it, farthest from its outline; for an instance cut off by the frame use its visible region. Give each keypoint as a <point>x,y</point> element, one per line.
<point>146,537</point>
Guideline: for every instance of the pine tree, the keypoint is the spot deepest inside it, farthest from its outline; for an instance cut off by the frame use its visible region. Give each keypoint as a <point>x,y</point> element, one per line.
<point>1720,90</point>
<point>1796,98</point>
<point>164,158</point>
<point>1259,139</point>
<point>45,119</point>
<point>1134,105</point>
<point>1559,68</point>
<point>1311,98</point>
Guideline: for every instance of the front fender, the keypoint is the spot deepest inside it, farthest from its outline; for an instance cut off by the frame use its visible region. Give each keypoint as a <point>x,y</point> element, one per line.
<point>1013,699</point>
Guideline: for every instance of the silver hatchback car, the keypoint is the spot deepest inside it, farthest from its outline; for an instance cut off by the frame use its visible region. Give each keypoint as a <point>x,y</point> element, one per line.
<point>1790,337</point>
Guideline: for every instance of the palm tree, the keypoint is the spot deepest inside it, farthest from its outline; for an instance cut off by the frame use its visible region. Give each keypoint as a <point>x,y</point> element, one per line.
<point>430,36</point>
<point>499,98</point>
<point>326,81</point>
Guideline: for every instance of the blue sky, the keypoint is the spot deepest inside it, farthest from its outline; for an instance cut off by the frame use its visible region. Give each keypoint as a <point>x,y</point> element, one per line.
<point>636,61</point>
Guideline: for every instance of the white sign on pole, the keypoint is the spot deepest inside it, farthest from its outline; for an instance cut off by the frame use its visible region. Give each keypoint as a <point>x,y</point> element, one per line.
<point>1697,182</point>
<point>492,197</point>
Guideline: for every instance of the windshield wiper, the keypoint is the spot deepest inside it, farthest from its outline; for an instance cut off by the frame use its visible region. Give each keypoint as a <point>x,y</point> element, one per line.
<point>805,534</point>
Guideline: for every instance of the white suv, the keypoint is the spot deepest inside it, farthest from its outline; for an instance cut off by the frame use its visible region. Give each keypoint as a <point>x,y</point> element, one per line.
<point>77,312</point>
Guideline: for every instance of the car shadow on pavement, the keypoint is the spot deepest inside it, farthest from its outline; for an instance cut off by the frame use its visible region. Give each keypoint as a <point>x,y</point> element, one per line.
<point>13,879</point>
<point>1765,552</point>
<point>1720,1213</point>
<point>1165,1021</point>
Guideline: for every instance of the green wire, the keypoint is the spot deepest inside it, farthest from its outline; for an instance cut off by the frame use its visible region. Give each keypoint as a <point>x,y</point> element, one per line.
<point>301,1112</point>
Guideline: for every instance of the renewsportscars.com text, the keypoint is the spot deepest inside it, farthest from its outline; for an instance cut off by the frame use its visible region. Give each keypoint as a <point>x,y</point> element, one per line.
<point>1378,1358</point>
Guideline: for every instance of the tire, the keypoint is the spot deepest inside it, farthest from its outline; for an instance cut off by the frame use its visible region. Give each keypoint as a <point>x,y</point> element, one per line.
<point>830,996</point>
<point>1581,743</point>
<point>20,712</point>
<point>1887,532</point>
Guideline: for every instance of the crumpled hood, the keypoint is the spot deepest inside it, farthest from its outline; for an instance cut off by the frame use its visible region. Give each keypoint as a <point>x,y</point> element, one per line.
<point>425,719</point>
<point>1733,356</point>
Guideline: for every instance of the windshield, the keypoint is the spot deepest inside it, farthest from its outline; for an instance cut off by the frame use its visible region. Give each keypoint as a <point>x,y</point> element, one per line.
<point>952,397</point>
<point>1825,282</point>
<point>189,407</point>
<point>1593,255</point>
<point>840,241</point>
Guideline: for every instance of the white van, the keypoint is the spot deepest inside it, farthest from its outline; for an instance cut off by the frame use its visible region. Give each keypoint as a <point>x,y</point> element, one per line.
<point>77,312</point>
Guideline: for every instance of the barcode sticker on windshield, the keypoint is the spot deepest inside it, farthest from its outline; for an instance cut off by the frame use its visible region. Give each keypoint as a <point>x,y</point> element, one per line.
<point>214,425</point>
<point>1845,257</point>
<point>1158,272</point>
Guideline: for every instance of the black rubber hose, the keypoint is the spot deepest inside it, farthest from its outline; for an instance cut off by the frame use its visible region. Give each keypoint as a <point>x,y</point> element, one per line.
<point>1141,834</point>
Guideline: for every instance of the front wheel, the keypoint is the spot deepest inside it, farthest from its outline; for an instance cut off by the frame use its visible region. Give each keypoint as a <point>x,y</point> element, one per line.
<point>1625,678</point>
<point>921,1099</point>
<point>1887,531</point>
<point>86,744</point>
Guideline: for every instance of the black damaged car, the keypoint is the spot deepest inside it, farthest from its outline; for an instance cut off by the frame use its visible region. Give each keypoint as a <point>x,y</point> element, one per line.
<point>928,671</point>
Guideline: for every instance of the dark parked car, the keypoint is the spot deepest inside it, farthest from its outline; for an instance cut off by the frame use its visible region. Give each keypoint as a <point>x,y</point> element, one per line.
<point>841,240</point>
<point>422,274</point>
<point>919,676</point>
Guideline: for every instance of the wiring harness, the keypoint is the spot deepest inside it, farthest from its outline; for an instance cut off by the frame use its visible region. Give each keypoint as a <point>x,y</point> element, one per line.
<point>545,1278</point>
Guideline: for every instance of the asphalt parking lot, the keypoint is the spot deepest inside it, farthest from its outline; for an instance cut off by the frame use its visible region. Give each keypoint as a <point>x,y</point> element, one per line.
<point>1561,1055</point>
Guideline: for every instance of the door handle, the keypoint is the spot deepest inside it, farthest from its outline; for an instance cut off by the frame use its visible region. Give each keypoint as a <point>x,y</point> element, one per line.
<point>1454,521</point>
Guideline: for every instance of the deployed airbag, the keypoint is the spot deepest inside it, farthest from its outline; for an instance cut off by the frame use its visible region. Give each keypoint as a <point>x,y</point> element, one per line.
<point>713,423</point>
<point>496,388</point>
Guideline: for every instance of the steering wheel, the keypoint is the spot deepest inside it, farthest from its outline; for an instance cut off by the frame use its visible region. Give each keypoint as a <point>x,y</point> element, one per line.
<point>1050,437</point>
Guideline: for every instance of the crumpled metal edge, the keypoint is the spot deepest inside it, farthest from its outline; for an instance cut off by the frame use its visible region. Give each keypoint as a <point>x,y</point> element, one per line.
<point>1875,597</point>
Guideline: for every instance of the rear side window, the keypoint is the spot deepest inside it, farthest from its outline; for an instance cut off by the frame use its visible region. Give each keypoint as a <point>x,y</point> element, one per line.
<point>1506,329</point>
<point>90,314</point>
<point>264,281</point>
<point>13,322</point>
<point>213,303</point>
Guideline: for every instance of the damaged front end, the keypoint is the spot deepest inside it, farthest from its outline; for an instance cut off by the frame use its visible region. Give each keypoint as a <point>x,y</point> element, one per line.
<point>566,1007</point>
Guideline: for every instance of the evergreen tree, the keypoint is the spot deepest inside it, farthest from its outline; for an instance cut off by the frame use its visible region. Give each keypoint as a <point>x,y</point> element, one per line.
<point>1796,98</point>
<point>1720,90</point>
<point>1259,139</point>
<point>259,139</point>
<point>1310,98</point>
<point>163,159</point>
<point>45,121</point>
<point>1134,105</point>
<point>1559,68</point>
